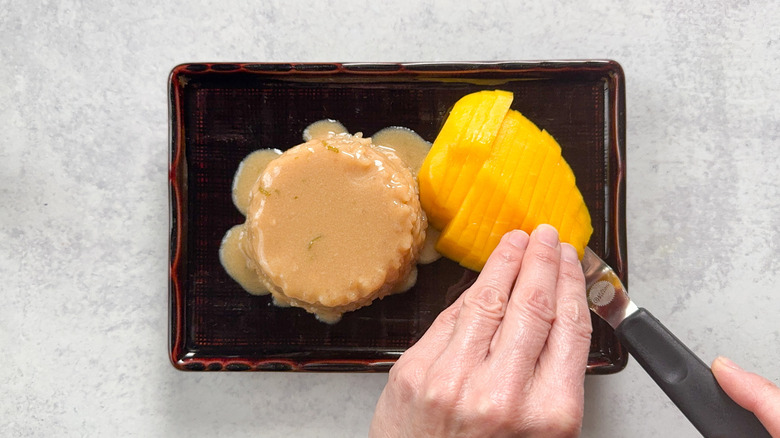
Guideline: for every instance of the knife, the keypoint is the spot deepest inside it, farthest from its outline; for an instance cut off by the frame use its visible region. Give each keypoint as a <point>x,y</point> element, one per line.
<point>685,379</point>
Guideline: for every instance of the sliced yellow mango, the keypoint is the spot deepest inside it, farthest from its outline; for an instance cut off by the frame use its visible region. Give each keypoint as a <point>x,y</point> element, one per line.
<point>499,173</point>
<point>459,235</point>
<point>535,212</point>
<point>475,148</point>
<point>460,148</point>
<point>561,201</point>
<point>506,158</point>
<point>521,186</point>
<point>435,166</point>
<point>572,225</point>
<point>512,180</point>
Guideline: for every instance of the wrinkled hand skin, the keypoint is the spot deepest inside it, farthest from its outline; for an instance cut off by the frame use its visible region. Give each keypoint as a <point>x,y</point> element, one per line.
<point>507,359</point>
<point>751,391</point>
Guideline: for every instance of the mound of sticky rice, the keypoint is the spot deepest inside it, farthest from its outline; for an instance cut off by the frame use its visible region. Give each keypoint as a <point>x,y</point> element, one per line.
<point>334,224</point>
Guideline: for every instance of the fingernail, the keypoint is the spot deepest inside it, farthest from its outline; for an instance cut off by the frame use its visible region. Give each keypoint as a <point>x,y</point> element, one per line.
<point>569,254</point>
<point>727,362</point>
<point>547,235</point>
<point>518,238</point>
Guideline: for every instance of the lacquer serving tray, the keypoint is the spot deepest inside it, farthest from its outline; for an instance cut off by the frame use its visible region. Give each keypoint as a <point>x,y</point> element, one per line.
<point>221,112</point>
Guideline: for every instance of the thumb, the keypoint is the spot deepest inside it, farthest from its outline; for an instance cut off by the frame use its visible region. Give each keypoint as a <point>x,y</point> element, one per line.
<point>751,391</point>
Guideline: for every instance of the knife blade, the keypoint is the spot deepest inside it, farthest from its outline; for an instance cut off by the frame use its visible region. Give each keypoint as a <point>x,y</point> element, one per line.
<point>685,378</point>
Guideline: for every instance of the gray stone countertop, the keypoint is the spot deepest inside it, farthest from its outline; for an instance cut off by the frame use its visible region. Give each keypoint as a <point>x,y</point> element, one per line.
<point>84,216</point>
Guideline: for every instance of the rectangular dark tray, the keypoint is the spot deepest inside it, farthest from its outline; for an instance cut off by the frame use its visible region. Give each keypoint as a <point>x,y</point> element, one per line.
<point>221,112</point>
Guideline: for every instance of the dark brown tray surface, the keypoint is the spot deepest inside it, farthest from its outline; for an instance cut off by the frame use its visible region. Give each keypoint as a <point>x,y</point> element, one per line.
<point>221,112</point>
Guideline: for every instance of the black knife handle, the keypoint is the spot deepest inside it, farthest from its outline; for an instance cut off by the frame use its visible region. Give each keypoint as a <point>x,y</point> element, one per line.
<point>687,381</point>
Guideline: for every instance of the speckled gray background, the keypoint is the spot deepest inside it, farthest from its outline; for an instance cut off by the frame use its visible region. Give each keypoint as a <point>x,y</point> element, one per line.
<point>84,216</point>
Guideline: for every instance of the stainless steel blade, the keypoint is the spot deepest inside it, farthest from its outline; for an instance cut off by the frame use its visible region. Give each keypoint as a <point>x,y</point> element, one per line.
<point>607,297</point>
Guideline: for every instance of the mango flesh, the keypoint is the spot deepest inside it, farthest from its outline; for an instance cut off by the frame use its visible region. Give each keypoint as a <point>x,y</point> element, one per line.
<point>459,151</point>
<point>463,230</point>
<point>491,170</point>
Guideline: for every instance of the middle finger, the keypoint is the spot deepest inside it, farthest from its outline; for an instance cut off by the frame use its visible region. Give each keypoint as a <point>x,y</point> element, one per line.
<point>531,308</point>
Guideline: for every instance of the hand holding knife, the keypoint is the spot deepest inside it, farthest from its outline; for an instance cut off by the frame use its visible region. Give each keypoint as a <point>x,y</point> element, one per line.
<point>687,380</point>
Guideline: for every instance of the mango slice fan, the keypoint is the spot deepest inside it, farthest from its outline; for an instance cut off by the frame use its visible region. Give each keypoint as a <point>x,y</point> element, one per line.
<point>491,170</point>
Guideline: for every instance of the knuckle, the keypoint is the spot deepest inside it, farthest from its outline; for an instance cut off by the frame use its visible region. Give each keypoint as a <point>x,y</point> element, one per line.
<point>489,410</point>
<point>575,318</point>
<point>440,395</point>
<point>507,254</point>
<point>486,300</point>
<point>572,277</point>
<point>539,302</point>
<point>449,315</point>
<point>546,257</point>
<point>405,378</point>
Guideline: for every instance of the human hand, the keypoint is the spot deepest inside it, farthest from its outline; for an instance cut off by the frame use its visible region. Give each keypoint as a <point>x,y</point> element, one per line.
<point>507,358</point>
<point>751,391</point>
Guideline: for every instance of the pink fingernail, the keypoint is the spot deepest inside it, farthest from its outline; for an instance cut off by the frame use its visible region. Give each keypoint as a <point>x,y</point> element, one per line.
<point>547,235</point>
<point>518,238</point>
<point>569,254</point>
<point>728,362</point>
